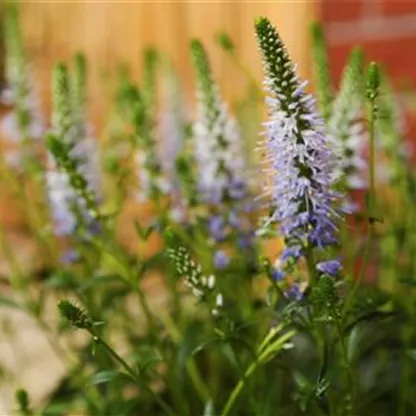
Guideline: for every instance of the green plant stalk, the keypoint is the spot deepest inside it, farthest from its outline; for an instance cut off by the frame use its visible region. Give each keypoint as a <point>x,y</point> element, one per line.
<point>265,354</point>
<point>351,384</point>
<point>129,278</point>
<point>16,277</point>
<point>370,212</point>
<point>133,281</point>
<point>372,195</point>
<point>407,333</point>
<point>191,366</point>
<point>406,365</point>
<point>18,284</point>
<point>167,409</point>
<point>34,220</point>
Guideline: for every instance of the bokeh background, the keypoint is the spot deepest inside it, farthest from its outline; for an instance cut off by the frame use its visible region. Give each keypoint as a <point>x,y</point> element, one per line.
<point>115,32</point>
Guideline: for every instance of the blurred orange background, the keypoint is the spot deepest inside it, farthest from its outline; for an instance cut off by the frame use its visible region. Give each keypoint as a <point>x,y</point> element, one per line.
<point>115,32</point>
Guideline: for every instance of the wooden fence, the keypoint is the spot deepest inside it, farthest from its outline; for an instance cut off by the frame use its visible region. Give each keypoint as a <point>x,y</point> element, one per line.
<point>111,32</point>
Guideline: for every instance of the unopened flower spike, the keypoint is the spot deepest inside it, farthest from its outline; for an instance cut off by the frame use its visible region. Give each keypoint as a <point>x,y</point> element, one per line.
<point>203,287</point>
<point>79,94</point>
<point>151,61</point>
<point>75,315</point>
<point>62,114</point>
<point>300,158</point>
<point>346,127</point>
<point>72,176</point>
<point>217,139</point>
<point>86,150</point>
<point>225,41</point>
<point>152,184</point>
<point>373,82</point>
<point>321,69</point>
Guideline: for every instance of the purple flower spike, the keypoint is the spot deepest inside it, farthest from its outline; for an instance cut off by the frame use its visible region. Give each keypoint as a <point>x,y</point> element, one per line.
<point>294,293</point>
<point>330,267</point>
<point>218,142</point>
<point>299,160</point>
<point>217,228</point>
<point>221,260</point>
<point>297,149</point>
<point>291,252</point>
<point>70,257</point>
<point>278,275</point>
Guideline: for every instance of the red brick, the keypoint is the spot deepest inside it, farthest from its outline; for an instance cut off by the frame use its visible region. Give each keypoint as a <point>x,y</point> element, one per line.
<point>398,56</point>
<point>391,7</point>
<point>341,10</point>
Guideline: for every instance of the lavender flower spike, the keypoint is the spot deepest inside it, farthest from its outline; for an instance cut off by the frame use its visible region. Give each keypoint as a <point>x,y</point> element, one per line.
<point>298,151</point>
<point>68,207</point>
<point>218,142</point>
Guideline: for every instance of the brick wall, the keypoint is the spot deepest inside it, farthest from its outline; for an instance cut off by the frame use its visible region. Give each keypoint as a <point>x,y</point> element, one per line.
<point>386,29</point>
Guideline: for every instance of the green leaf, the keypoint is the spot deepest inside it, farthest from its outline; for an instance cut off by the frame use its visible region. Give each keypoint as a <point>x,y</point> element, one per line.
<point>63,280</point>
<point>58,408</point>
<point>99,280</point>
<point>209,409</point>
<point>203,345</point>
<point>154,262</point>
<point>322,387</point>
<point>305,388</point>
<point>408,281</point>
<point>353,342</point>
<point>144,233</point>
<point>104,376</point>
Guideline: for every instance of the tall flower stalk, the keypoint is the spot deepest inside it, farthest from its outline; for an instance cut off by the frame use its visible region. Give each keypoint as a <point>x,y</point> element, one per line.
<point>321,69</point>
<point>24,123</point>
<point>172,145</point>
<point>347,130</point>
<point>72,176</point>
<point>221,163</point>
<point>301,162</point>
<point>391,132</point>
<point>217,139</point>
<point>152,183</point>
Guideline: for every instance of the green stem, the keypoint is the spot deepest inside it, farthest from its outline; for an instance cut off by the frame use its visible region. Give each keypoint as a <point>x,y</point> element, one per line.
<point>167,409</point>
<point>265,354</point>
<point>239,387</point>
<point>191,367</point>
<point>372,167</point>
<point>17,276</point>
<point>406,367</point>
<point>370,209</point>
<point>130,278</point>
<point>33,217</point>
<point>351,384</point>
